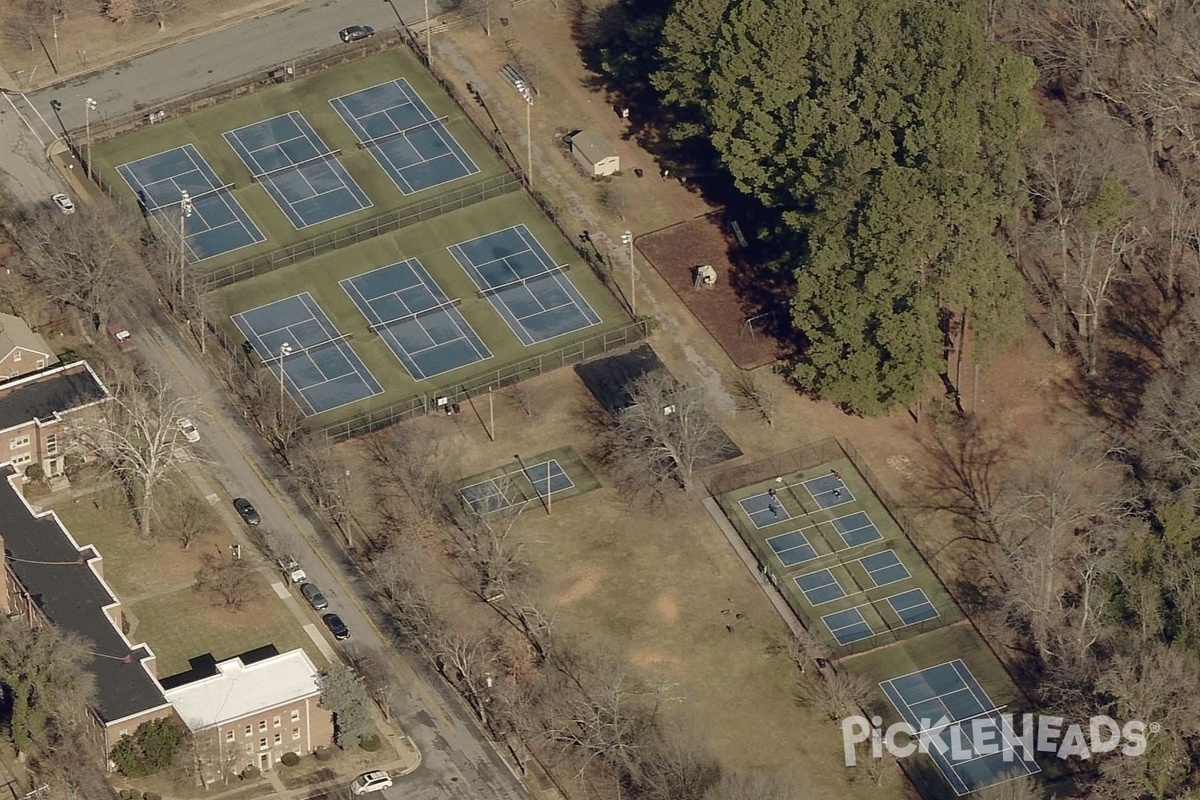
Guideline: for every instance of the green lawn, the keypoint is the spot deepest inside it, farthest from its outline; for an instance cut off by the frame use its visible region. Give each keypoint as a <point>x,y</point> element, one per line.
<point>190,623</point>
<point>311,97</point>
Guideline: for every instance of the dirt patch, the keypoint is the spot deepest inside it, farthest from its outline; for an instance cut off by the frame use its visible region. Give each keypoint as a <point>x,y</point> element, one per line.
<point>676,252</point>
<point>667,607</point>
<point>583,581</point>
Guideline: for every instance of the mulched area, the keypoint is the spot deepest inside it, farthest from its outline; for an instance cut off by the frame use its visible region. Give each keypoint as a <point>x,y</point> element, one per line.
<point>676,251</point>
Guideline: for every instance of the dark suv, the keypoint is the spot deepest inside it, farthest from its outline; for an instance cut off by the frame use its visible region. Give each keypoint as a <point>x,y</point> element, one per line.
<point>356,33</point>
<point>314,597</point>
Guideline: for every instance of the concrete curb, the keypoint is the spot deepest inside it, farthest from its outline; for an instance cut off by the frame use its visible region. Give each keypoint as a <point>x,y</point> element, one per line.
<point>264,9</point>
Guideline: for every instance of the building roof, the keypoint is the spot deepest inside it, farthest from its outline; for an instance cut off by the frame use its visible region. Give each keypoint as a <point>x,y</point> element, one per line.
<point>14,333</point>
<point>239,690</point>
<point>46,394</point>
<point>64,585</point>
<point>594,148</point>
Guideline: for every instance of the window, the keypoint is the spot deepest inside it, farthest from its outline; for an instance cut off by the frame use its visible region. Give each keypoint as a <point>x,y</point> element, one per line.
<point>51,444</point>
<point>295,733</point>
<point>122,733</point>
<point>24,458</point>
<point>262,743</point>
<point>278,722</point>
<point>295,715</point>
<point>279,738</point>
<point>229,735</point>
<point>262,724</point>
<point>249,730</point>
<point>17,356</point>
<point>41,363</point>
<point>19,442</point>
<point>249,748</point>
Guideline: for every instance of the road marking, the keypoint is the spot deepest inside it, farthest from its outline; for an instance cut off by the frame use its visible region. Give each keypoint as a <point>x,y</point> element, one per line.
<point>24,119</point>
<point>53,135</point>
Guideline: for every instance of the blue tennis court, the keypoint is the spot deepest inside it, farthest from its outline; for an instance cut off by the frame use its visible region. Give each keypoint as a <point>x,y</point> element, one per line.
<point>421,326</point>
<point>848,626</point>
<point>884,568</point>
<point>791,548</point>
<point>496,494</point>
<point>820,587</point>
<point>765,509</point>
<point>218,224</point>
<point>408,141</point>
<point>298,170</point>
<point>828,491</point>
<point>935,702</point>
<point>516,274</point>
<point>912,606</point>
<point>856,529</point>
<point>297,342</point>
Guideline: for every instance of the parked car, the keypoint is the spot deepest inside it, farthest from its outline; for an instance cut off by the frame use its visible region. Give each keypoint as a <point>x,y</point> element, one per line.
<point>374,781</point>
<point>337,628</point>
<point>65,204</point>
<point>188,428</point>
<point>292,569</point>
<point>356,33</point>
<point>314,597</point>
<point>247,511</point>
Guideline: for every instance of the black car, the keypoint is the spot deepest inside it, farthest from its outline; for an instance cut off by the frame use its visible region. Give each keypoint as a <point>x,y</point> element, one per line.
<point>314,597</point>
<point>357,32</point>
<point>336,627</point>
<point>248,512</point>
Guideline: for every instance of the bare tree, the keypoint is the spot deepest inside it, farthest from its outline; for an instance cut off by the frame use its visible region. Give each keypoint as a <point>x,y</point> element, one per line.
<point>414,464</point>
<point>521,397</point>
<point>83,259</point>
<point>480,11</point>
<point>469,656</point>
<point>231,579</point>
<point>675,765</point>
<point>190,518</point>
<point>663,437</point>
<point>274,415</point>
<point>615,199</point>
<point>157,11</point>
<point>755,395</point>
<point>759,786</point>
<point>835,695</point>
<point>408,589</point>
<point>482,543</point>
<point>139,438</point>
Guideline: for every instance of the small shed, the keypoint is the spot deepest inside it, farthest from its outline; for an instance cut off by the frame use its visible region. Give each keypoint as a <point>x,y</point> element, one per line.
<point>596,155</point>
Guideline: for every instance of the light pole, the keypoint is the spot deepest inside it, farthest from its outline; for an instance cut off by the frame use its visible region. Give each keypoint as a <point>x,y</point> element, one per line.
<point>627,238</point>
<point>54,23</point>
<point>528,95</point>
<point>285,350</point>
<point>88,107</point>
<point>185,211</point>
<point>428,36</point>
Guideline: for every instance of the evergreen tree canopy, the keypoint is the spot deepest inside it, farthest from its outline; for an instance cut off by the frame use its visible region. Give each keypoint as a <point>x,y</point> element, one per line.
<point>884,134</point>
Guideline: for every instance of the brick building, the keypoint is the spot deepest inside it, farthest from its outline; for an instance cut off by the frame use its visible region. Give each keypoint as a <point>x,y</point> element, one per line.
<point>37,412</point>
<point>47,576</point>
<point>250,712</point>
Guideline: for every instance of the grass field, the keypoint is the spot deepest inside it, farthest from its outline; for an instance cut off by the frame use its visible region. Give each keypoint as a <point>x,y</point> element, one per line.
<point>842,563</point>
<point>311,97</point>
<point>427,242</point>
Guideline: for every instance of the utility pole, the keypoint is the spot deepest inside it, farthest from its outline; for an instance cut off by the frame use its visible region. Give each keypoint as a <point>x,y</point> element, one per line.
<point>185,211</point>
<point>88,107</point>
<point>627,239</point>
<point>528,95</point>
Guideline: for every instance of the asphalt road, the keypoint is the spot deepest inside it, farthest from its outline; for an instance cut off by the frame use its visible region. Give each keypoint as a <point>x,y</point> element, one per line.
<point>457,762</point>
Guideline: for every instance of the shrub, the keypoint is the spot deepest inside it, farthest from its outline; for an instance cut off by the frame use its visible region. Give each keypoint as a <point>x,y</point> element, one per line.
<point>323,753</point>
<point>126,794</point>
<point>370,743</point>
<point>290,759</point>
<point>35,473</point>
<point>151,796</point>
<point>151,748</point>
<point>250,772</point>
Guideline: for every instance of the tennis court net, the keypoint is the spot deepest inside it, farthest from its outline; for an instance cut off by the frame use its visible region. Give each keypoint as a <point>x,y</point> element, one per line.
<point>192,198</point>
<point>259,178</point>
<point>415,314</point>
<point>491,290</point>
<point>300,351</point>
<point>366,143</point>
